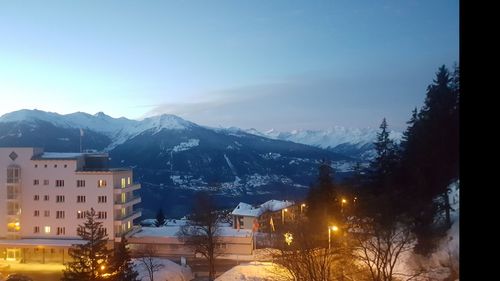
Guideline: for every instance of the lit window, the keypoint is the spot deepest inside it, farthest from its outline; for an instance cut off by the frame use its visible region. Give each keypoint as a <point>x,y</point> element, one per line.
<point>101,183</point>
<point>47,229</point>
<point>128,180</point>
<point>123,183</point>
<point>129,225</point>
<point>124,197</point>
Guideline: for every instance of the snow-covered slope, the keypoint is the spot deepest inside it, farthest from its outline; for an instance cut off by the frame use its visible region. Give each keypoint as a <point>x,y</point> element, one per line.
<point>118,129</point>
<point>329,138</point>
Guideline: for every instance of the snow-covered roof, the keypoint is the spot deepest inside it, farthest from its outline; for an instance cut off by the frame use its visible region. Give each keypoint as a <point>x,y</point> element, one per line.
<point>42,242</point>
<point>247,210</point>
<point>171,231</point>
<point>60,155</point>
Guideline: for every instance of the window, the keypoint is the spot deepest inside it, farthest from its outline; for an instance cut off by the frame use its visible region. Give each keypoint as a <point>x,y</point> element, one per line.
<point>36,165</point>
<point>103,231</point>
<point>128,180</point>
<point>47,229</point>
<point>45,166</point>
<point>80,199</point>
<point>45,182</point>
<point>80,215</point>
<point>46,213</point>
<point>60,198</point>
<point>36,229</point>
<point>36,182</point>
<point>59,183</point>
<point>59,214</point>
<point>101,183</point>
<point>102,199</point>
<point>80,183</point>
<point>80,229</point>
<point>124,197</point>
<point>55,165</point>
<point>13,174</point>
<point>123,182</point>
<point>45,198</point>
<point>36,213</point>
<point>65,165</point>
<point>61,231</point>
<point>36,197</point>
<point>102,215</point>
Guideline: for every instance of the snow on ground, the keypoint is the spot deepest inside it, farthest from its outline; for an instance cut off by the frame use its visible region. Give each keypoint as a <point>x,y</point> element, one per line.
<point>256,271</point>
<point>445,260</point>
<point>170,271</point>
<point>183,146</point>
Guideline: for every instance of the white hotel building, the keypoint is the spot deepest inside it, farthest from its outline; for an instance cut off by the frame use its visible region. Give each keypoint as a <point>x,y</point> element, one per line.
<point>44,195</point>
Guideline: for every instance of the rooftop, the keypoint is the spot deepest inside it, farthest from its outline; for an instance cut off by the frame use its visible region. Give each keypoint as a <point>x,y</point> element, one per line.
<point>247,210</point>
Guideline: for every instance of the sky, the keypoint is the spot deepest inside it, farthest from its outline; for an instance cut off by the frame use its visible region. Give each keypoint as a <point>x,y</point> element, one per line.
<point>264,64</point>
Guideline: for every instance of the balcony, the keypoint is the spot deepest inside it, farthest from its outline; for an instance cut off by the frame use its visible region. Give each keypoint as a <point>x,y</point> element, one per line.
<point>119,218</point>
<point>130,188</point>
<point>131,200</point>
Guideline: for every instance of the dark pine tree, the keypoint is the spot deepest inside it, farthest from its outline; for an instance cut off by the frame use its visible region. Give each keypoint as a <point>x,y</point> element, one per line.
<point>89,260</point>
<point>160,218</point>
<point>323,206</point>
<point>430,157</point>
<point>121,265</point>
<point>385,162</point>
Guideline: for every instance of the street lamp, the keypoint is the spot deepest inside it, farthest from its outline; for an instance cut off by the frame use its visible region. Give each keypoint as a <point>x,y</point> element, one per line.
<point>302,206</point>
<point>333,228</point>
<point>343,201</point>
<point>283,215</point>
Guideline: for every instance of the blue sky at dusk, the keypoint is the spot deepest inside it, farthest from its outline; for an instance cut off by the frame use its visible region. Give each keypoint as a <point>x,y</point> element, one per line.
<point>262,64</point>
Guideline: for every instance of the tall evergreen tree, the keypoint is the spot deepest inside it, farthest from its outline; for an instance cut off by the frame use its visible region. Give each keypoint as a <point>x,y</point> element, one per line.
<point>160,218</point>
<point>121,264</point>
<point>323,205</point>
<point>384,164</point>
<point>89,260</point>
<point>430,156</point>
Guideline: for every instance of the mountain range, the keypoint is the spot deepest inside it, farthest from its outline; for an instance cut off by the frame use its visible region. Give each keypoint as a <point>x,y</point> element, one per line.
<point>172,157</point>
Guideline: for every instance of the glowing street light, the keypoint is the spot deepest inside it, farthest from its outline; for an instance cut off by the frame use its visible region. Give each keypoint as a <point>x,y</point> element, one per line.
<point>333,228</point>
<point>302,206</point>
<point>283,211</point>
<point>343,201</point>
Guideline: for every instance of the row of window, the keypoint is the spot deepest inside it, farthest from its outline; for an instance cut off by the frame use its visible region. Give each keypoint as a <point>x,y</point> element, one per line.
<point>55,165</point>
<point>79,198</point>
<point>60,230</point>
<point>102,215</point>
<point>79,183</point>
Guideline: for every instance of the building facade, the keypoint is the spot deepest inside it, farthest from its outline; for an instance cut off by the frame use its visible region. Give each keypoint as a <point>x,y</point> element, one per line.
<point>44,197</point>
